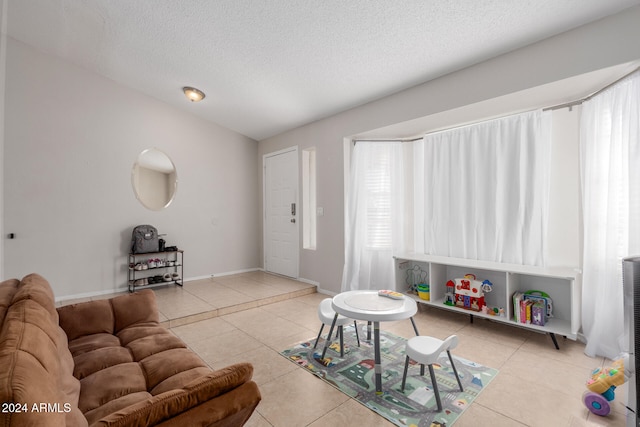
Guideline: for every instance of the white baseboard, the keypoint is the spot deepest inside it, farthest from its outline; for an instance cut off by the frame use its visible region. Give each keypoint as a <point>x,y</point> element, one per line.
<point>326,292</point>
<point>228,273</point>
<point>89,295</point>
<point>311,282</point>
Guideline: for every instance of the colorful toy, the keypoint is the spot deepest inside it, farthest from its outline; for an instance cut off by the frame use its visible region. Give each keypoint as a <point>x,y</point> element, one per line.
<point>469,292</point>
<point>416,276</point>
<point>543,298</point>
<point>390,294</point>
<point>449,296</point>
<point>424,291</point>
<point>601,387</point>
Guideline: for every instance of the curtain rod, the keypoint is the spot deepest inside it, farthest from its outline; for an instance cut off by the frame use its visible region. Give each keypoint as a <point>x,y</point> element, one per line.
<point>569,105</point>
<point>417,138</point>
<point>589,97</point>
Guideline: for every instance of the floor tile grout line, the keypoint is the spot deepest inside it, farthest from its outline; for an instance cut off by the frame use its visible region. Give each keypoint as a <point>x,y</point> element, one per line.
<point>498,412</point>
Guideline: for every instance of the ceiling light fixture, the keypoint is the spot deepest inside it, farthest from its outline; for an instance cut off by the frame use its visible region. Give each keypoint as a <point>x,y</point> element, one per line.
<point>193,94</point>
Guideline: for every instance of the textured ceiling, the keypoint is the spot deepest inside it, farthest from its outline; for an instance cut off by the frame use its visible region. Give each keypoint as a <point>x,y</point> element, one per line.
<point>271,65</point>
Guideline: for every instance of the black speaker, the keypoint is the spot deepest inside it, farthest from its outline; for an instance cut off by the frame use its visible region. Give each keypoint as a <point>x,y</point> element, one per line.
<point>631,284</point>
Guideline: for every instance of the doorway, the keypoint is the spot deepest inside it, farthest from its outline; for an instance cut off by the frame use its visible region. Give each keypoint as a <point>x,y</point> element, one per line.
<point>281,225</point>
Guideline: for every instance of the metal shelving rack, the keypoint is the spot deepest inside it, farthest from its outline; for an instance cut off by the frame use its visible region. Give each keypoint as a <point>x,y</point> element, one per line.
<point>135,276</point>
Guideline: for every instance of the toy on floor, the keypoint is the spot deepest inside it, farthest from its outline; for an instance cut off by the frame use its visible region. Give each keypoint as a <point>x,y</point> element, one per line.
<point>602,385</point>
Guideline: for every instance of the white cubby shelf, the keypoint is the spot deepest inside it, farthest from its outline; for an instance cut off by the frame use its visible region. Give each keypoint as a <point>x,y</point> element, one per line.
<point>561,283</point>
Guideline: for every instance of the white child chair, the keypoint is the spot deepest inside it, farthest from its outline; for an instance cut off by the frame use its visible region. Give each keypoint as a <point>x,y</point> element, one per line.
<point>425,350</point>
<point>326,315</point>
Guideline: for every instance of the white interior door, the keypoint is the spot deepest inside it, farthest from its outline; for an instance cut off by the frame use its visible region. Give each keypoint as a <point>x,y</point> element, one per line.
<point>281,231</point>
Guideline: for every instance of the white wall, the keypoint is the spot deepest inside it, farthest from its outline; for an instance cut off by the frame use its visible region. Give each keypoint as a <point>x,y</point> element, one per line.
<point>3,61</point>
<point>601,44</point>
<point>71,140</point>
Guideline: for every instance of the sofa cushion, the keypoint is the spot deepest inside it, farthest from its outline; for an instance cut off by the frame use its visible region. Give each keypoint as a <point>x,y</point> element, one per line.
<point>82,319</point>
<point>136,332</point>
<point>180,379</point>
<point>98,359</point>
<point>111,383</point>
<point>160,366</point>
<point>232,383</point>
<point>135,356</point>
<point>8,288</point>
<point>36,363</point>
<point>35,287</point>
<point>90,343</point>
<point>139,308</point>
<point>154,343</point>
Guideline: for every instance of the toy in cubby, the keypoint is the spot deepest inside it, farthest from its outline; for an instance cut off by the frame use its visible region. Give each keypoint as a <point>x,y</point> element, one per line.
<point>468,293</point>
<point>423,291</point>
<point>601,387</point>
<point>532,307</point>
<point>449,296</point>
<point>417,281</point>
<point>493,311</point>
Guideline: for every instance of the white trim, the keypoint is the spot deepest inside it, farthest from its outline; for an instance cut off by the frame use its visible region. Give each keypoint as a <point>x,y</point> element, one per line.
<point>347,149</point>
<point>309,206</point>
<point>229,273</point>
<point>326,292</point>
<point>277,153</point>
<point>126,288</point>
<point>91,294</point>
<point>303,280</point>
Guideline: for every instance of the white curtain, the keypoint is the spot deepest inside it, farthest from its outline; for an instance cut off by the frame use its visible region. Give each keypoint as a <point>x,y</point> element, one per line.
<point>375,215</point>
<point>610,169</point>
<point>484,190</point>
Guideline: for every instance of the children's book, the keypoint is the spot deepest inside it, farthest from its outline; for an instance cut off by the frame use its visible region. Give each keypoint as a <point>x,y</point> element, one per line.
<point>517,298</point>
<point>525,311</point>
<point>538,313</point>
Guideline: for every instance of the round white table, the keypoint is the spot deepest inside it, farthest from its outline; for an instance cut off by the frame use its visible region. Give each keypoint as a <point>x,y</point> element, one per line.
<point>368,305</point>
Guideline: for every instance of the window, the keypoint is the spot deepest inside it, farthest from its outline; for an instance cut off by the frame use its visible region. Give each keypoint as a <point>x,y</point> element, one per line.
<point>378,186</point>
<point>375,215</point>
<point>309,198</point>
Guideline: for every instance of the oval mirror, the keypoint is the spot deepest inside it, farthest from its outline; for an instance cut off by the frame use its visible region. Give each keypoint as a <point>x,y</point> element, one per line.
<point>154,179</point>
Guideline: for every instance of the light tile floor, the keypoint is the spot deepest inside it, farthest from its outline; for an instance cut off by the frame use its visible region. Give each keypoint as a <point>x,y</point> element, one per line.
<point>253,316</point>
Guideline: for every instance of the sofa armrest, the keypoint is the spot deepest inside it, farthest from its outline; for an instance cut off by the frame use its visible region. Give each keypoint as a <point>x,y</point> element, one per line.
<point>232,409</point>
<point>220,381</point>
<point>172,403</point>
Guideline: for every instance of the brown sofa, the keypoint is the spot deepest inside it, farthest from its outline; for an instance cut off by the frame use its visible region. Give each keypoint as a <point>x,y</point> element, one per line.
<point>107,363</point>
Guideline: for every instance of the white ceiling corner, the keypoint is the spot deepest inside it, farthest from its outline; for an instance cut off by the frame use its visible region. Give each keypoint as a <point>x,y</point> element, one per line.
<point>268,66</point>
